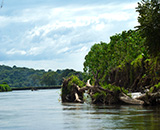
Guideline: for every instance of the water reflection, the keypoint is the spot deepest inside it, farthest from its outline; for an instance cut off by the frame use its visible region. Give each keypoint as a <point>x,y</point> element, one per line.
<point>41,110</point>
<point>112,117</point>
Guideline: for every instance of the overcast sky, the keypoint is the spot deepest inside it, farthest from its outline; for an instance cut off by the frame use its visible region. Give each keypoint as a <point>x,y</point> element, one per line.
<point>57,34</point>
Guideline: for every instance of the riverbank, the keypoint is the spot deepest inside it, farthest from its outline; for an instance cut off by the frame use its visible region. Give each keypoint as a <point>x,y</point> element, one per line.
<point>37,88</point>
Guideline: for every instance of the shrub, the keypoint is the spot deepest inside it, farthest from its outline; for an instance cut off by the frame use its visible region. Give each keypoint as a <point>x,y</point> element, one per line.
<point>5,87</point>
<point>75,80</point>
<point>115,88</point>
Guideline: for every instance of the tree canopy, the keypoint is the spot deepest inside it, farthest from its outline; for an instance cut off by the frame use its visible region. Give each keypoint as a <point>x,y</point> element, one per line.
<point>25,77</point>
<point>123,48</point>
<point>149,20</point>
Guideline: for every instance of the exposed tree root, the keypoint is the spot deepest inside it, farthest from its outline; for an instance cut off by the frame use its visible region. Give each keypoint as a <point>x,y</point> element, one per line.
<point>105,96</point>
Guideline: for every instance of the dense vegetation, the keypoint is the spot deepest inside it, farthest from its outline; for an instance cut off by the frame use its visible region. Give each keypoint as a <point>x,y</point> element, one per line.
<point>129,62</point>
<point>131,59</point>
<point>149,17</point>
<point>103,58</point>
<point>25,77</point>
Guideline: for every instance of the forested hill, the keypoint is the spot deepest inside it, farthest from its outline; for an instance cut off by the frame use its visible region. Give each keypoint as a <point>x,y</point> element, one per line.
<point>25,77</point>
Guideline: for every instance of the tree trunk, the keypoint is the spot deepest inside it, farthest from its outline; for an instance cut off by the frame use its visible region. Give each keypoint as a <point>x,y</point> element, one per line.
<point>99,95</point>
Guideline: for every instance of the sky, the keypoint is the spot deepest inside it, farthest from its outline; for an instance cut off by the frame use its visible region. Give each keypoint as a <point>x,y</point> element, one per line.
<point>58,34</point>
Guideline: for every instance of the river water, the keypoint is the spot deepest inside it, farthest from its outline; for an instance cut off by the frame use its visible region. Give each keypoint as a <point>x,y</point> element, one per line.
<point>42,110</point>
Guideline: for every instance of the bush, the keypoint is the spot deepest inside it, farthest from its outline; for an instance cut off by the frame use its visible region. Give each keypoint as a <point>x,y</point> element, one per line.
<point>115,88</point>
<point>5,87</point>
<point>75,80</point>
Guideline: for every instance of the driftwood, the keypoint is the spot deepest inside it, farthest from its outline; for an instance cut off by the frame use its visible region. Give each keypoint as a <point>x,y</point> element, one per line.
<point>144,99</point>
<point>128,100</point>
<point>77,98</point>
<point>76,95</point>
<point>150,98</point>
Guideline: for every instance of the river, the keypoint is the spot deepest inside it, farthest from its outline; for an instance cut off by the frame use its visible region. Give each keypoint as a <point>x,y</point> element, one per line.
<point>43,110</point>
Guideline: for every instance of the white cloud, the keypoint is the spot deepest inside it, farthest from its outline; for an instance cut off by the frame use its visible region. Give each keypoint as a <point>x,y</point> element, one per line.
<point>15,51</point>
<point>35,51</point>
<point>76,64</point>
<point>3,21</point>
<point>83,50</point>
<point>65,33</point>
<point>63,50</point>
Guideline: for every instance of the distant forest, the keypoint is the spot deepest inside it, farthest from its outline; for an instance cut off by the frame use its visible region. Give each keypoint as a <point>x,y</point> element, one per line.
<point>25,77</point>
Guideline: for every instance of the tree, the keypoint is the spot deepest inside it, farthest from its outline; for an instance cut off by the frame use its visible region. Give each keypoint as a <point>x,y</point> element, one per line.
<point>49,78</point>
<point>103,58</point>
<point>149,20</point>
<point>95,62</point>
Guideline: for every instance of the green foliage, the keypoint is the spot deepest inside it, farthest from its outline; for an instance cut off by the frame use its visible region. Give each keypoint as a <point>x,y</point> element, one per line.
<point>75,80</point>
<point>157,85</point>
<point>116,61</point>
<point>25,77</point>
<point>99,95</point>
<point>95,61</point>
<point>153,69</point>
<point>144,76</point>
<point>49,78</point>
<point>149,17</point>
<point>60,74</point>
<point>115,88</point>
<point>106,98</point>
<point>137,62</point>
<point>20,77</point>
<point>154,88</point>
<point>123,48</point>
<point>5,87</point>
<point>151,89</point>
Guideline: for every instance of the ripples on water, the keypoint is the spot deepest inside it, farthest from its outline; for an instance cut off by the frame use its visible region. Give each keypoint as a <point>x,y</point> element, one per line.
<point>42,110</point>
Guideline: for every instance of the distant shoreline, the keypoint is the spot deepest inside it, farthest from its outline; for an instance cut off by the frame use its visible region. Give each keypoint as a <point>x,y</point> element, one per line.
<point>37,88</point>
